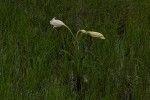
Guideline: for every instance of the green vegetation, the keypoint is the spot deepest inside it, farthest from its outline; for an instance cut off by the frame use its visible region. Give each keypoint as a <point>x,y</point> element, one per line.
<point>36,59</point>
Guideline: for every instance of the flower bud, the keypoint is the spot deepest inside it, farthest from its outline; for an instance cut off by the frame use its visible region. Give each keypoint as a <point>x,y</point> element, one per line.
<point>96,34</point>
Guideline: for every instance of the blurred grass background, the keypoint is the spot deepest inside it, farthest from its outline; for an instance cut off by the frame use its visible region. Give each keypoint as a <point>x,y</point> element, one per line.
<point>32,66</point>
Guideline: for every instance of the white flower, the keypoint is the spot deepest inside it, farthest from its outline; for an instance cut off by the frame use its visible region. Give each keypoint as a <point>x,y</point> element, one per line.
<point>56,23</point>
<point>93,34</point>
<point>96,34</point>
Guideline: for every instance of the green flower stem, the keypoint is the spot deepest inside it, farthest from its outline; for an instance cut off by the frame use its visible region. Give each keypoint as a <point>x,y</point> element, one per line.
<point>77,34</point>
<point>71,32</point>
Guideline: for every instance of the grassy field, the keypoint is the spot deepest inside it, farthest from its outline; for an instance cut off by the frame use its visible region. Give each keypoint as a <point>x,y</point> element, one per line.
<point>36,60</point>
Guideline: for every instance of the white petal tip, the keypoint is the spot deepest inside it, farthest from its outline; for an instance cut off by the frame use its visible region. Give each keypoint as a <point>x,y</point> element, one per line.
<point>102,37</point>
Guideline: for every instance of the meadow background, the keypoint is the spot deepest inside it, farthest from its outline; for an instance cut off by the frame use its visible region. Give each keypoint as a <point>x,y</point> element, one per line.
<point>33,66</point>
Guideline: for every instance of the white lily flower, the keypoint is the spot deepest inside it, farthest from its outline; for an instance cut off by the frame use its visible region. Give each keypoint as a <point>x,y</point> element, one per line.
<point>56,23</point>
<point>96,34</point>
<point>93,34</point>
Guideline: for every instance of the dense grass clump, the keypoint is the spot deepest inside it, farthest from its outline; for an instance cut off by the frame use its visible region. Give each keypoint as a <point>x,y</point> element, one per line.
<point>36,60</point>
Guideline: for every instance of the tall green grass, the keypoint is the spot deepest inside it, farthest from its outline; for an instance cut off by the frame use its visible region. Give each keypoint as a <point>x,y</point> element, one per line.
<point>33,66</point>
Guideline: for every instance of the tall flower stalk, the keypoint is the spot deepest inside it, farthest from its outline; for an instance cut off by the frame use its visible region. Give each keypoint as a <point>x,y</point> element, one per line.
<point>77,37</point>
